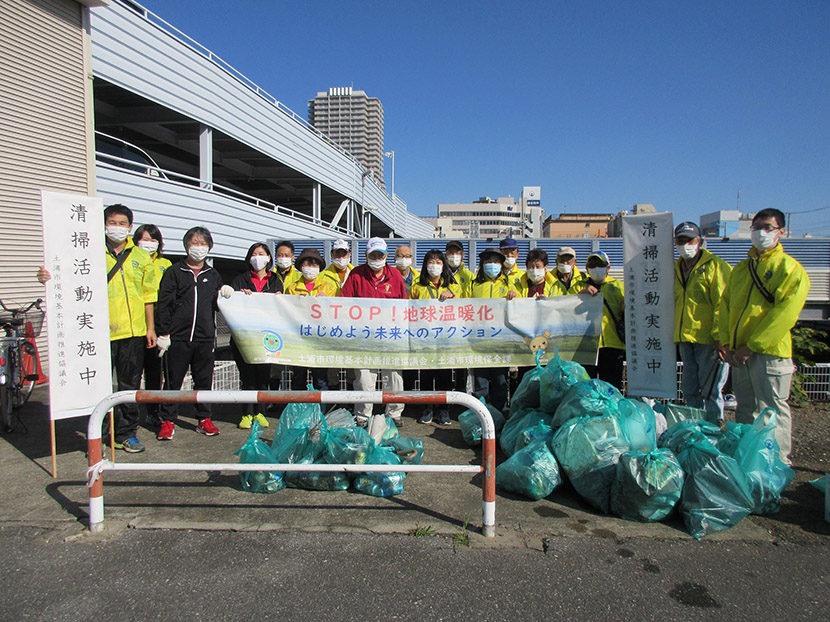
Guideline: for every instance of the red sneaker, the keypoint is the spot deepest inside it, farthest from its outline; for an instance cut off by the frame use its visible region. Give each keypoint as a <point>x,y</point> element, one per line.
<point>167,431</point>
<point>207,428</point>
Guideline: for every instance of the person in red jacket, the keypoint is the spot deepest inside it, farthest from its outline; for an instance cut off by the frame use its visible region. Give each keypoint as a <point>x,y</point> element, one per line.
<point>376,279</point>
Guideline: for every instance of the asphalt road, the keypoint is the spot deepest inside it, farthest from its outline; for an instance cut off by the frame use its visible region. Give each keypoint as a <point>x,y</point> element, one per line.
<point>136,574</point>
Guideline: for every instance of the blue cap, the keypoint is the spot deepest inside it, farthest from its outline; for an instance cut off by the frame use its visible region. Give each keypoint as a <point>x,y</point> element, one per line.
<point>601,255</point>
<point>508,243</point>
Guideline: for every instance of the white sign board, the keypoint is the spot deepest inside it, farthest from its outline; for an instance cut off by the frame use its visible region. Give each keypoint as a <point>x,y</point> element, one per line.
<point>648,250</point>
<point>77,309</point>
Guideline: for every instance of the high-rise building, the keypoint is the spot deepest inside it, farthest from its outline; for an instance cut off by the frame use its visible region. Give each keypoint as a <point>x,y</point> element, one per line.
<point>354,121</point>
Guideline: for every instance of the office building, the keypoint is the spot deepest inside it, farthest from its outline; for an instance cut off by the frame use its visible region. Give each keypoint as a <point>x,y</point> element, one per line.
<point>492,218</point>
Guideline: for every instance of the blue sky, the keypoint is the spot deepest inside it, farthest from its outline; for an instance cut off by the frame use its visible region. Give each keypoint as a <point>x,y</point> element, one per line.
<point>602,104</point>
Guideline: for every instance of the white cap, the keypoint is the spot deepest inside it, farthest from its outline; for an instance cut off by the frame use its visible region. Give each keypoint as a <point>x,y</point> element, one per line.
<point>376,244</point>
<point>340,244</point>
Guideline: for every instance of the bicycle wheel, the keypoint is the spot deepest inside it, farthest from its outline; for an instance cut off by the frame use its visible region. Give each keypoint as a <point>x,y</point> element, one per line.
<point>6,407</point>
<point>27,365</point>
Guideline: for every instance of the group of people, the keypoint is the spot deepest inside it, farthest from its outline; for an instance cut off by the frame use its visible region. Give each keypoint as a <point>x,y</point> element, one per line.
<point>163,315</point>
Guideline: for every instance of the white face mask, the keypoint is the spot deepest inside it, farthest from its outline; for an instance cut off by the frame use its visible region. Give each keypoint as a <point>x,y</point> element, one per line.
<point>198,253</point>
<point>597,274</point>
<point>284,262</point>
<point>258,262</point>
<point>117,234</point>
<point>150,246</point>
<point>341,263</point>
<point>435,269</point>
<point>403,262</point>
<point>536,274</point>
<point>454,260</point>
<point>310,272</point>
<point>564,268</point>
<point>376,264</point>
<point>764,240</point>
<point>509,261</point>
<point>687,251</point>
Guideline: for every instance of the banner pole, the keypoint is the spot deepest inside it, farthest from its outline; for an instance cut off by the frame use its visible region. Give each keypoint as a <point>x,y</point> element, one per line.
<point>54,450</point>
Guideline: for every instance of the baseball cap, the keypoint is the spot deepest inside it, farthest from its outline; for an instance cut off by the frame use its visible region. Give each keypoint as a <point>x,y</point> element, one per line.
<point>600,255</point>
<point>508,243</point>
<point>454,244</point>
<point>340,245</point>
<point>687,230</point>
<point>565,250</point>
<point>376,244</point>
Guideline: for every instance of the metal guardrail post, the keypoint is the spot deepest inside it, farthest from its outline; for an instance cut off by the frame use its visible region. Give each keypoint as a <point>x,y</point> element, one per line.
<point>97,464</point>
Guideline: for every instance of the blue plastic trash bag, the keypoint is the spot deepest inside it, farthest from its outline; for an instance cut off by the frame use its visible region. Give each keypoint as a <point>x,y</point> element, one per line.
<point>541,431</point>
<point>257,451</point>
<point>526,395</point>
<point>682,434</point>
<point>409,450</point>
<point>820,483</point>
<point>732,435</point>
<point>471,426</point>
<point>515,425</point>
<point>716,495</point>
<point>532,472</point>
<point>293,445</point>
<point>557,377</point>
<point>381,483</point>
<point>647,485</point>
<point>588,450</point>
<point>587,398</point>
<point>637,424</point>
<point>759,456</point>
<point>296,415</point>
<point>675,413</point>
<point>346,445</point>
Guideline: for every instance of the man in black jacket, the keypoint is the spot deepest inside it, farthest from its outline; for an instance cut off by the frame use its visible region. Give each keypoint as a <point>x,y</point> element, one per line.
<point>186,323</point>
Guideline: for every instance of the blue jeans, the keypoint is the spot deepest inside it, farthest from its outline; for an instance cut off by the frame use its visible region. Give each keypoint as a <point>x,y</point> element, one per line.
<point>704,375</point>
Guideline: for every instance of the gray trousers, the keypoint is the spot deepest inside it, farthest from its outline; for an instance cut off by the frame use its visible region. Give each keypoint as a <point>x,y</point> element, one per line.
<point>366,380</point>
<point>764,382</point>
<point>704,375</point>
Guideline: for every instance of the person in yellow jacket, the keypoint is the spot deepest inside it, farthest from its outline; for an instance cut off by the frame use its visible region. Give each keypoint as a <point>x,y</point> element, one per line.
<point>566,272</point>
<point>759,307</point>
<point>454,252</point>
<point>340,268</point>
<point>284,264</point>
<point>491,282</point>
<point>311,283</point>
<point>435,283</point>
<point>537,281</point>
<point>699,280</point>
<point>611,355</point>
<point>510,249</point>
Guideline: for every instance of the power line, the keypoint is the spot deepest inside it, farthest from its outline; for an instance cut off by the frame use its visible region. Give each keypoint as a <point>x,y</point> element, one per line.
<point>809,211</point>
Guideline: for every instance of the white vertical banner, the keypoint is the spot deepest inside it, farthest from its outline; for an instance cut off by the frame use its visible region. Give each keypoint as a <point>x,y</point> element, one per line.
<point>77,308</point>
<point>648,250</point>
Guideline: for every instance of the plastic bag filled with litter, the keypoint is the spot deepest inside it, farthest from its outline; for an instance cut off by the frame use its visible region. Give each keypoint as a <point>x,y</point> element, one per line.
<point>346,445</point>
<point>715,495</point>
<point>382,428</point>
<point>526,395</point>
<point>381,483</point>
<point>637,424</point>
<point>515,425</point>
<point>588,450</point>
<point>340,418</point>
<point>732,435</point>
<point>541,431</point>
<point>532,472</point>
<point>682,434</point>
<point>294,445</point>
<point>587,398</point>
<point>471,426</point>
<point>759,456</point>
<point>257,451</point>
<point>410,450</point>
<point>647,485</point>
<point>557,377</point>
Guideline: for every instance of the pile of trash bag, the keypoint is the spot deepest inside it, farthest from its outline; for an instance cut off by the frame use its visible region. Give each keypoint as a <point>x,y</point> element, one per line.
<point>527,394</point>
<point>556,378</point>
<point>532,471</point>
<point>587,398</point>
<point>471,426</point>
<point>257,451</point>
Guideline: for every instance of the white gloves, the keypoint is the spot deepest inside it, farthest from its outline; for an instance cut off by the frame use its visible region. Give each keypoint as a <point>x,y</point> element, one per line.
<point>226,291</point>
<point>163,343</point>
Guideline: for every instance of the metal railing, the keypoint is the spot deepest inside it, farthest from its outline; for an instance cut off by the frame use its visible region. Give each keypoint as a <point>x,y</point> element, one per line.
<point>97,463</point>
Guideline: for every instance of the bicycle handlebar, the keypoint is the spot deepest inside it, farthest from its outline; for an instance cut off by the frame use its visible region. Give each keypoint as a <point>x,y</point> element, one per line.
<point>16,312</point>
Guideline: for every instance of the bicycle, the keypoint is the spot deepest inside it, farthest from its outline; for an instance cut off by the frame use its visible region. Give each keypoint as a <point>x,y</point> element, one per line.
<point>18,360</point>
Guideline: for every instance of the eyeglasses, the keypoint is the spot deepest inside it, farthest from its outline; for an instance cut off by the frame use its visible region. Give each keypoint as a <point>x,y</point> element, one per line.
<point>767,228</point>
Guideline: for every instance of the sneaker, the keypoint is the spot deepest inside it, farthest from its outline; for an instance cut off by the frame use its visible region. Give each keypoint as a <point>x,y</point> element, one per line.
<point>207,428</point>
<point>263,422</point>
<point>730,402</point>
<point>426,417</point>
<point>361,422</point>
<point>246,422</point>
<point>131,445</point>
<point>166,432</point>
<point>444,418</point>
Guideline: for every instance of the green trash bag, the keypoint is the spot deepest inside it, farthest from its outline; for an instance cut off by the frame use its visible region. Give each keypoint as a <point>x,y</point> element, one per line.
<point>541,431</point>
<point>532,472</point>
<point>294,446</point>
<point>647,485</point>
<point>346,445</point>
<point>515,425</point>
<point>471,426</point>
<point>637,424</point>
<point>557,377</point>
<point>298,415</point>
<point>732,435</point>
<point>257,451</point>
<point>381,483</point>
<point>526,395</point>
<point>682,434</point>
<point>759,456</point>
<point>409,450</point>
<point>716,495</point>
<point>588,449</point>
<point>585,399</point>
<point>675,413</point>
